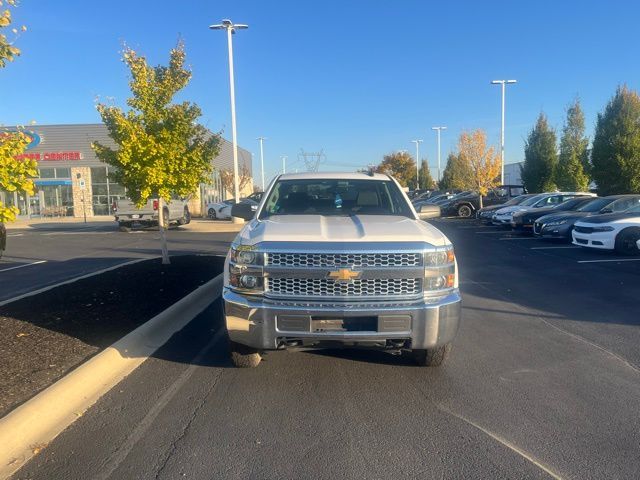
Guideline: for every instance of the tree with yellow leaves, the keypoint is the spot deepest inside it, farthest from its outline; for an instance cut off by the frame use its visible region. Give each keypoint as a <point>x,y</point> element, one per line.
<point>8,50</point>
<point>162,149</point>
<point>484,161</point>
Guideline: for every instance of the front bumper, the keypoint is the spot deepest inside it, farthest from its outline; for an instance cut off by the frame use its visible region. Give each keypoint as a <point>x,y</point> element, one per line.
<point>553,231</point>
<point>601,240</point>
<point>268,324</point>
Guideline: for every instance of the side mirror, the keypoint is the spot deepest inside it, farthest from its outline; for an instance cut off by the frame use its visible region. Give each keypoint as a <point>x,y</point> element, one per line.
<point>243,210</point>
<point>427,211</point>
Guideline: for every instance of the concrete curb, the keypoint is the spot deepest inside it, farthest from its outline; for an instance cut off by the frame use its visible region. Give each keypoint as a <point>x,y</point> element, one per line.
<point>31,426</point>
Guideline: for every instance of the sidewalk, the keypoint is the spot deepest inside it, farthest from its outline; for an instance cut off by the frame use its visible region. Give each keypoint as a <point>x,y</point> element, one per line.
<point>107,221</point>
<point>22,223</point>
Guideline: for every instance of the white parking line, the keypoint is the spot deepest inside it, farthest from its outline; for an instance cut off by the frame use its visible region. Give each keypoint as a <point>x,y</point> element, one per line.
<point>518,238</point>
<point>554,248</point>
<point>75,233</point>
<point>22,266</point>
<point>611,260</point>
<point>15,234</point>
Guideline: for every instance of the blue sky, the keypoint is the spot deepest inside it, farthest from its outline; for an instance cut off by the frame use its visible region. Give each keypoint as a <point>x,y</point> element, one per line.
<point>358,79</point>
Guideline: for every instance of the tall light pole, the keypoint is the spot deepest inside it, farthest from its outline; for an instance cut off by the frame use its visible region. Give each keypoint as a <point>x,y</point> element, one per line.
<point>504,84</point>
<point>417,142</point>
<point>284,164</point>
<point>438,129</point>
<point>262,139</point>
<point>231,28</point>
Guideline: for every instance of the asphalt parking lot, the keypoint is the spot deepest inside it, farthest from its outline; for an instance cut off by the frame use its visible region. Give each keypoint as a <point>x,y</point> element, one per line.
<point>543,382</point>
<point>49,253</point>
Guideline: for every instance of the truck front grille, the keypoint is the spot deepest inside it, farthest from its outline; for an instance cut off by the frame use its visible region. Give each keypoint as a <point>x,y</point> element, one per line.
<point>321,287</point>
<point>344,259</point>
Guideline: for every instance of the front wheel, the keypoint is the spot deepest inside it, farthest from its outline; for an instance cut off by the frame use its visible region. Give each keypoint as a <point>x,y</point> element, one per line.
<point>124,227</point>
<point>243,356</point>
<point>627,241</point>
<point>212,213</point>
<point>432,357</point>
<point>464,211</point>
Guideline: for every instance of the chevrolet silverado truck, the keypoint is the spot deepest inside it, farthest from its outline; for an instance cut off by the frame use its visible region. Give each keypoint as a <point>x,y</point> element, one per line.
<point>127,214</point>
<point>339,260</point>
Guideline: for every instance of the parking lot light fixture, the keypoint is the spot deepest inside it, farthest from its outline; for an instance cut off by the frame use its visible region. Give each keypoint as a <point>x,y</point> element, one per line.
<point>438,129</point>
<point>261,140</point>
<point>231,28</point>
<point>504,84</point>
<point>417,142</point>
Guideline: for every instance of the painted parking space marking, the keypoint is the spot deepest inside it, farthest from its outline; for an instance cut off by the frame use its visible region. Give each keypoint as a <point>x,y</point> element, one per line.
<point>22,266</point>
<point>518,238</point>
<point>567,247</point>
<point>610,260</point>
<point>75,233</point>
<point>15,234</point>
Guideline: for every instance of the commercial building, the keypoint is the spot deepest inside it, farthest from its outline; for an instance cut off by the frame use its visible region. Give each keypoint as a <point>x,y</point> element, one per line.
<point>73,182</point>
<point>512,173</point>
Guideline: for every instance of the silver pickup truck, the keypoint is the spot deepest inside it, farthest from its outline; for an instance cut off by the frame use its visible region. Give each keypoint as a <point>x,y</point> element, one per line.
<point>127,214</point>
<point>339,260</point>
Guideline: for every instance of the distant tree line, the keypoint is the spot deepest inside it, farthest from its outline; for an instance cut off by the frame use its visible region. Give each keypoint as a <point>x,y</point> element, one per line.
<point>613,162</point>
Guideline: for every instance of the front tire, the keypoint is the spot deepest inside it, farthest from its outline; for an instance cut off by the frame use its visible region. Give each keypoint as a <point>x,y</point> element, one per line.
<point>124,227</point>
<point>186,217</point>
<point>243,356</point>
<point>432,357</point>
<point>626,241</point>
<point>464,211</point>
<point>212,213</point>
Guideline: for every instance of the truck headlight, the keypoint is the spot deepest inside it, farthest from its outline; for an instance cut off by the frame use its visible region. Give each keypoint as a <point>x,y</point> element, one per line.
<point>439,269</point>
<point>246,269</point>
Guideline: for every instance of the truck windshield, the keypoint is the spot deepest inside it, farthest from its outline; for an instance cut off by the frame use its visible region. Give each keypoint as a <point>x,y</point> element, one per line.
<point>335,197</point>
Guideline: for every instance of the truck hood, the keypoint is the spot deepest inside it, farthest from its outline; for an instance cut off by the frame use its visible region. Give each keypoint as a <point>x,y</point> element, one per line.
<point>356,228</point>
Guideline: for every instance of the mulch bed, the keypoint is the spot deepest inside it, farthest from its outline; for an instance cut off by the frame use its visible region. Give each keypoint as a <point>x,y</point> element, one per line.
<point>45,336</point>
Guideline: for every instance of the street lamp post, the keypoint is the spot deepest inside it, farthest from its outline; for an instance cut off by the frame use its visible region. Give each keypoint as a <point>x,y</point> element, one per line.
<point>417,142</point>
<point>262,139</point>
<point>231,28</point>
<point>504,84</point>
<point>438,129</point>
<point>284,164</point>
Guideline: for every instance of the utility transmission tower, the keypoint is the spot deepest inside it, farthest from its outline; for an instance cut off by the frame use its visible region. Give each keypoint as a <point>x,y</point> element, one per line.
<point>312,160</point>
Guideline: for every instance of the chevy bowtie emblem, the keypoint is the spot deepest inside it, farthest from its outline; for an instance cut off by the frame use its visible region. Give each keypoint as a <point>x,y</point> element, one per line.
<point>344,275</point>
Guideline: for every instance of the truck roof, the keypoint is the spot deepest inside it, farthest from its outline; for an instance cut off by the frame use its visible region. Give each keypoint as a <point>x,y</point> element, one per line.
<point>333,176</point>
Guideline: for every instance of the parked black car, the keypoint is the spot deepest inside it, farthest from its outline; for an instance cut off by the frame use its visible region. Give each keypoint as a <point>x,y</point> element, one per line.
<point>3,238</point>
<point>485,213</point>
<point>558,225</point>
<point>467,205</point>
<point>523,221</point>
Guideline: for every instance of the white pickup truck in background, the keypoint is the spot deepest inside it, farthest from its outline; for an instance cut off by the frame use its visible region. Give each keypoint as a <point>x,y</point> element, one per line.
<point>127,214</point>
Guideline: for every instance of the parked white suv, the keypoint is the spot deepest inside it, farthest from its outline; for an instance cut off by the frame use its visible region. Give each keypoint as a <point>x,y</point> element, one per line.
<point>339,259</point>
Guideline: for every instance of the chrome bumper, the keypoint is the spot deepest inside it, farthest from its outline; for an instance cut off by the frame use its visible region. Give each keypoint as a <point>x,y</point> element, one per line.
<point>268,324</point>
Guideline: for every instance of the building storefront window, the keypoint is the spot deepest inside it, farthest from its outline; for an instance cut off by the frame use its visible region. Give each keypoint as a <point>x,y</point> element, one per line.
<point>105,191</point>
<point>54,193</point>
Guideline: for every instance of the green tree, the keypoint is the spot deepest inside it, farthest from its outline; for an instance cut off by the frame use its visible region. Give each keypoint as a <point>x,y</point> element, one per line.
<point>162,150</point>
<point>401,166</point>
<point>426,181</point>
<point>615,154</point>
<point>573,158</point>
<point>15,173</point>
<point>540,157</point>
<point>8,50</point>
<point>457,175</point>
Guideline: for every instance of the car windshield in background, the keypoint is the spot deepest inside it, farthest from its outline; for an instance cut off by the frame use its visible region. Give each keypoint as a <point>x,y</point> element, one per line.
<point>595,205</point>
<point>335,197</point>
<point>532,200</point>
<point>634,209</point>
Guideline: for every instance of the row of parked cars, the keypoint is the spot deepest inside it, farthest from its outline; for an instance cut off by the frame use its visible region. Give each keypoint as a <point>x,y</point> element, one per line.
<point>607,223</point>
<point>222,210</point>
